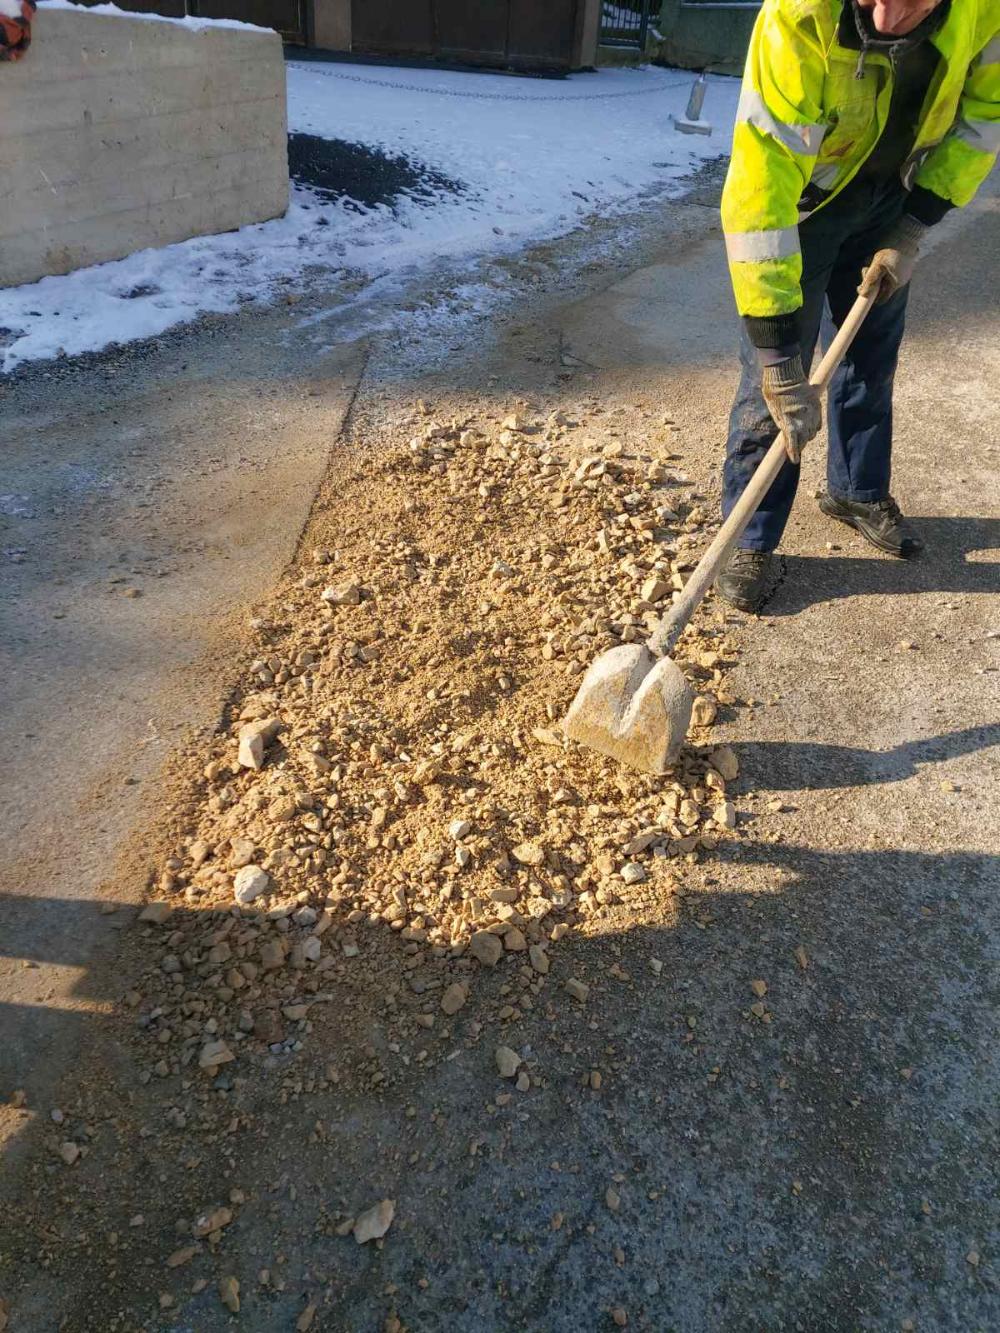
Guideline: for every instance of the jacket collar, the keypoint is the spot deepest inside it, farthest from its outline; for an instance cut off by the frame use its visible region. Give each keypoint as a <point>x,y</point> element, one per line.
<point>856,33</point>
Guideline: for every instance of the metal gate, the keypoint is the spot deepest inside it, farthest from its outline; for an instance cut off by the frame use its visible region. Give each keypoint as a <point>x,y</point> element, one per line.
<point>521,33</point>
<point>624,23</point>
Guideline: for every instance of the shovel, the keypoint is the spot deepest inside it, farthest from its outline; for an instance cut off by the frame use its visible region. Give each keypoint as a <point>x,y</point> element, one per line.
<point>634,703</point>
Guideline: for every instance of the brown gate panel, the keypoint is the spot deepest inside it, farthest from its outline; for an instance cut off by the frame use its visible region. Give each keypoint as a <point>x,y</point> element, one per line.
<point>529,33</point>
<point>472,32</point>
<point>286,16</point>
<point>393,27</point>
<point>542,34</point>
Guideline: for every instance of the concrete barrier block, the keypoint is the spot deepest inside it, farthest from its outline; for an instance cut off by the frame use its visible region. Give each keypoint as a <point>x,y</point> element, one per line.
<point>120,132</point>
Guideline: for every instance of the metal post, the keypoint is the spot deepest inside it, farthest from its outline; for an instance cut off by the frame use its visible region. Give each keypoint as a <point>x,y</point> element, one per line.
<point>692,121</point>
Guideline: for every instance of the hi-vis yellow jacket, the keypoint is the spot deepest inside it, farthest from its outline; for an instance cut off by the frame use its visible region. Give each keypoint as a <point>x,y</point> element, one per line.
<point>809,115</point>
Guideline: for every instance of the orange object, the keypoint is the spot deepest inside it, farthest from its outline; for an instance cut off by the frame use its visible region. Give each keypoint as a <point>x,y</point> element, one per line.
<point>15,29</point>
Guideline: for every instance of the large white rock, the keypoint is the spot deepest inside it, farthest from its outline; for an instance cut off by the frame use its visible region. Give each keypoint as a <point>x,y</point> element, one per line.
<point>249,883</point>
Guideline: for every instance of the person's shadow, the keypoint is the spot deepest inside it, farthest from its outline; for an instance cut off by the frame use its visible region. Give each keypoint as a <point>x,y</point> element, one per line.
<point>801,765</point>
<point>961,555</point>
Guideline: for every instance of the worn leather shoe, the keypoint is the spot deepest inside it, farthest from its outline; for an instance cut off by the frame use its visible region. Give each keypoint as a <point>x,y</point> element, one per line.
<point>880,522</point>
<point>747,580</point>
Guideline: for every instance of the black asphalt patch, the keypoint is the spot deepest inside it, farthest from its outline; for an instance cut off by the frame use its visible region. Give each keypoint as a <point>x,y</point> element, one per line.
<point>361,175</point>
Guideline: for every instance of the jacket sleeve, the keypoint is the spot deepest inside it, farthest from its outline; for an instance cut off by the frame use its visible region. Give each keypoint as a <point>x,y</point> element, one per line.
<point>778,132</point>
<point>15,28</point>
<point>956,168</point>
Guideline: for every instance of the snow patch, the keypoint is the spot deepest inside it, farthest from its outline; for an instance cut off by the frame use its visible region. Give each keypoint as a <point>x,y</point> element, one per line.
<point>535,158</point>
<point>112,11</point>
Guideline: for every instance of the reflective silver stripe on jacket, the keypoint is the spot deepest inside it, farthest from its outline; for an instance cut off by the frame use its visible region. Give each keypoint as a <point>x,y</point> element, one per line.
<point>914,162</point>
<point>804,139</point>
<point>981,134</point>
<point>825,175</point>
<point>990,54</point>
<point>754,246</point>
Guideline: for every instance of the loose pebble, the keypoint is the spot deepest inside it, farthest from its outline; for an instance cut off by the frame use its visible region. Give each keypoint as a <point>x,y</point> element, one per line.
<point>374,1222</point>
<point>508,1061</point>
<point>486,947</point>
<point>229,1293</point>
<point>454,998</point>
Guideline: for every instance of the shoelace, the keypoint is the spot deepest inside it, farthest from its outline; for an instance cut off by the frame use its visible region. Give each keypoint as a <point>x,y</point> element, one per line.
<point>749,561</point>
<point>890,508</point>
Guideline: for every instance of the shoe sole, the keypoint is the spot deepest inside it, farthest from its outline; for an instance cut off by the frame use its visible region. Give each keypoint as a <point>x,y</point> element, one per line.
<point>748,608</point>
<point>867,535</point>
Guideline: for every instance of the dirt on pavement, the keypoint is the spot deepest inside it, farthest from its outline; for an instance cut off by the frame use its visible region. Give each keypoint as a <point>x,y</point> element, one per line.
<point>769,1100</point>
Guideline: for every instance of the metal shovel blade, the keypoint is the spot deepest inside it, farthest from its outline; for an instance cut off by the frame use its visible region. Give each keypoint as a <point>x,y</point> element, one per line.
<point>632,706</point>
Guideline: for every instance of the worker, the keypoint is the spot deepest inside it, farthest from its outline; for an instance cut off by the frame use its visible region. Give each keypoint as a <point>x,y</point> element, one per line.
<point>15,28</point>
<point>860,124</point>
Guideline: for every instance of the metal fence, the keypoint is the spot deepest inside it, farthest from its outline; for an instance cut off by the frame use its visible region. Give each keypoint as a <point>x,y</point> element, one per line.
<point>624,23</point>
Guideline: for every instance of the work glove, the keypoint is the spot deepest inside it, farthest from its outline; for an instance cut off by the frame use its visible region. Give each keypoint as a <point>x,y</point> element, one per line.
<point>893,262</point>
<point>793,403</point>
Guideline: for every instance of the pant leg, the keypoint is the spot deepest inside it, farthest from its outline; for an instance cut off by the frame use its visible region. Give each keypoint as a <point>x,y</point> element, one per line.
<point>751,428</point>
<point>859,412</point>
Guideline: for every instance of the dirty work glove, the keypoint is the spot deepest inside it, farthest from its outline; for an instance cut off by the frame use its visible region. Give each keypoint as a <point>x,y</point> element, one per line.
<point>793,403</point>
<point>893,262</point>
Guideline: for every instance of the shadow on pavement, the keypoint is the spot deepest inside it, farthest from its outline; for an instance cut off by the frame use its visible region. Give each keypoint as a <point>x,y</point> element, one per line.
<point>945,567</point>
<point>794,1142</point>
<point>794,765</point>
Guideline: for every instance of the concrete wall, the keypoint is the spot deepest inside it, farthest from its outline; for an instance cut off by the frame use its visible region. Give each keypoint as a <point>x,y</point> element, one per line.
<point>121,133</point>
<point>618,57</point>
<point>700,36</point>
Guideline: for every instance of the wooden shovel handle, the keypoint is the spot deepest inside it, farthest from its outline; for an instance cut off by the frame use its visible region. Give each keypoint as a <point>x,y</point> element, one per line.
<point>672,626</point>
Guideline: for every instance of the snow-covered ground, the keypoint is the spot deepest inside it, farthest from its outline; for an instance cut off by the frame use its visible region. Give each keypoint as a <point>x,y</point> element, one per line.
<point>535,158</point>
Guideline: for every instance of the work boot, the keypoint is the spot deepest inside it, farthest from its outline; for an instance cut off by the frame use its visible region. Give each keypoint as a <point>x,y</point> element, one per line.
<point>747,580</point>
<point>879,522</point>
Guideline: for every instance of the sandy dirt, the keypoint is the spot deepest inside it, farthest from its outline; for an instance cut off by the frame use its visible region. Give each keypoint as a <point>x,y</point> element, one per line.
<point>776,1105</point>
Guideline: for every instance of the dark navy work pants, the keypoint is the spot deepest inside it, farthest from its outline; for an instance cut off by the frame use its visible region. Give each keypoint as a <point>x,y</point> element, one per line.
<point>836,243</point>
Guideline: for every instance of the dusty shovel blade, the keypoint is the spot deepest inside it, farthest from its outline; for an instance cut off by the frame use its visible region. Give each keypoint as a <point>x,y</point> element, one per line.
<point>632,706</point>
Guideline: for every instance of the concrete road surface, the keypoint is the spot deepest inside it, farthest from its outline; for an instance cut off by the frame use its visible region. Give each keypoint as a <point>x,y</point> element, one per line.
<point>829,1170</point>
